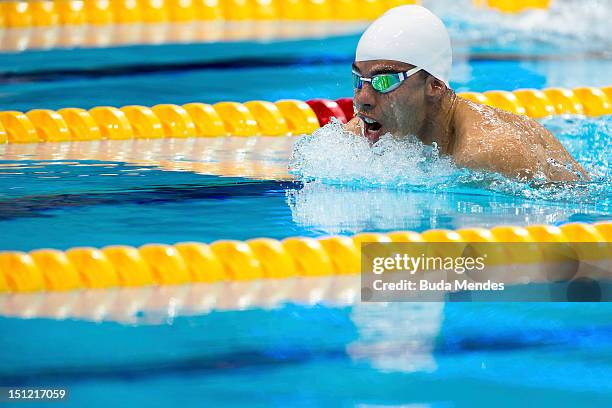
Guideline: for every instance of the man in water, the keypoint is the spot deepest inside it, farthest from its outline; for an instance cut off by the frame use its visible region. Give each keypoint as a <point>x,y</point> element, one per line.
<point>401,81</point>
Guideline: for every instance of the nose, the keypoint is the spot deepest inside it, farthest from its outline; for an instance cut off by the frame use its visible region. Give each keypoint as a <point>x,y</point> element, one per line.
<point>364,99</point>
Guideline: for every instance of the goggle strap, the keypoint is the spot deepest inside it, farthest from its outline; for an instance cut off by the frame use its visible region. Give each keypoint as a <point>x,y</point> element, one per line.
<point>408,74</point>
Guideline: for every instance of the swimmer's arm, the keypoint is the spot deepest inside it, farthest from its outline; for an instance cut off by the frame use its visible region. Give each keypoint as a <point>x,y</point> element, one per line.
<point>515,160</point>
<point>557,163</point>
<point>517,147</point>
<point>561,165</point>
<point>517,166</point>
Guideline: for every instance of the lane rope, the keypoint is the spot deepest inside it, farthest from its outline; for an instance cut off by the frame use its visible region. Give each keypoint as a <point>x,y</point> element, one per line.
<point>40,13</point>
<point>257,118</point>
<point>37,13</point>
<point>103,12</point>
<point>240,261</point>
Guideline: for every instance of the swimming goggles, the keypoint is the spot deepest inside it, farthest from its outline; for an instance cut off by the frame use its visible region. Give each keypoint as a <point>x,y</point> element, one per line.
<point>383,83</point>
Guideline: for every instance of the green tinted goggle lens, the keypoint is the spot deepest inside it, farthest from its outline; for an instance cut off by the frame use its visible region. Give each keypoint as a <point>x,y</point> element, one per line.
<point>381,83</point>
<point>386,82</point>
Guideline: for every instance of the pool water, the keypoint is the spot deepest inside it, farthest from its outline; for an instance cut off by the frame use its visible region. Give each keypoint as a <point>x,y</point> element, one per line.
<point>432,355</point>
<point>190,192</point>
<point>418,355</point>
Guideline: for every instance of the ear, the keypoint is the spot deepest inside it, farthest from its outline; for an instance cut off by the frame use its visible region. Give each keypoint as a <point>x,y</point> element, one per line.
<point>434,87</point>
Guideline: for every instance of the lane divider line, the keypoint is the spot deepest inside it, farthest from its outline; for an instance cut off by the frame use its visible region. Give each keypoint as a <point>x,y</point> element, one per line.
<point>236,261</point>
<point>259,118</point>
<point>36,13</point>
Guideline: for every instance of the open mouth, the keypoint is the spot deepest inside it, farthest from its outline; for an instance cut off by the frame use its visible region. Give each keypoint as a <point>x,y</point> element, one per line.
<point>373,129</point>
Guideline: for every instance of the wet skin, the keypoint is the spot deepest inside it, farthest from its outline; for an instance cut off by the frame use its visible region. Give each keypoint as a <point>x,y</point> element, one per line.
<point>476,136</point>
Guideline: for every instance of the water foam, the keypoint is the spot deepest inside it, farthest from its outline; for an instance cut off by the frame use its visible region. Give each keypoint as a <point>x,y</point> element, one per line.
<point>578,25</point>
<point>335,209</point>
<point>332,156</point>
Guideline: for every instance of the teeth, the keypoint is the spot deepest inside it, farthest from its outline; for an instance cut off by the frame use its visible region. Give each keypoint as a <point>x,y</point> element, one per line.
<point>368,120</point>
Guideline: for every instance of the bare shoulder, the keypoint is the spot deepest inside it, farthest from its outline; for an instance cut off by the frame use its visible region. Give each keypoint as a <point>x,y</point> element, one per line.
<point>517,146</point>
<point>486,139</point>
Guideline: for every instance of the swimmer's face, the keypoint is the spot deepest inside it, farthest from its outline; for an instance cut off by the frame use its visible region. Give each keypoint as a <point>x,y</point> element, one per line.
<point>400,112</point>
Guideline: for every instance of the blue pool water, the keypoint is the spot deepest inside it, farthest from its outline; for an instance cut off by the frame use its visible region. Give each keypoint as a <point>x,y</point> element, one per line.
<point>66,203</point>
<point>416,355</point>
<point>289,78</point>
<point>463,355</point>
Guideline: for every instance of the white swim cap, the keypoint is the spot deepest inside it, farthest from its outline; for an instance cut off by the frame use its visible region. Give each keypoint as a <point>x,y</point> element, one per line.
<point>410,34</point>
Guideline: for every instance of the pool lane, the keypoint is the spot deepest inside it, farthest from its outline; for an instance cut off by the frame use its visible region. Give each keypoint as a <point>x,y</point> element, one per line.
<point>140,191</point>
<point>274,79</point>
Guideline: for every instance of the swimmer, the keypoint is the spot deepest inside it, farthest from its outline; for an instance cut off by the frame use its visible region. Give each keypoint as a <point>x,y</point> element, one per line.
<point>401,82</point>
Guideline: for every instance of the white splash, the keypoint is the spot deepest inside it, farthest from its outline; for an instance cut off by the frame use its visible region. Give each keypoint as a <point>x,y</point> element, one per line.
<point>335,156</point>
<point>577,24</point>
<point>336,209</point>
<point>336,165</point>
